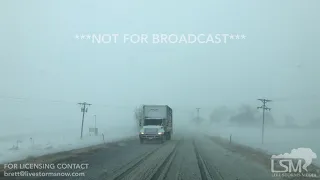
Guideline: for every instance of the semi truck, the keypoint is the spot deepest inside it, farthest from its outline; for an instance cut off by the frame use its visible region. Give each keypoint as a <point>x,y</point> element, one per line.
<point>156,123</point>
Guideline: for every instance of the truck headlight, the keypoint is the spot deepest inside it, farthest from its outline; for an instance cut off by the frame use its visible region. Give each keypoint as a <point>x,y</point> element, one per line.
<point>160,133</point>
<point>141,132</point>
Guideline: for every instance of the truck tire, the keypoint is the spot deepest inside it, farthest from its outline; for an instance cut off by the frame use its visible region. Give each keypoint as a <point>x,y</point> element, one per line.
<point>162,140</point>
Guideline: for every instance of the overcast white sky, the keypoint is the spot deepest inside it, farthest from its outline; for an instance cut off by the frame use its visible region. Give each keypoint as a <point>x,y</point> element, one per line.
<point>41,59</point>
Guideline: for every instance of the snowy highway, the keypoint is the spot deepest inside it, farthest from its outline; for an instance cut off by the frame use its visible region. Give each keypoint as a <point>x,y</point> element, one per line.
<point>183,158</point>
<point>230,89</point>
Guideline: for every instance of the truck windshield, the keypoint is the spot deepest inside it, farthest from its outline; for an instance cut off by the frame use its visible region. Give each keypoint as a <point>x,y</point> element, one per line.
<point>151,130</point>
<point>155,122</point>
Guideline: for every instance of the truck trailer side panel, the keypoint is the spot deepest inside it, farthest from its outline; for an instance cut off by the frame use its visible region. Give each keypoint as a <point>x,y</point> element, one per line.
<point>155,111</point>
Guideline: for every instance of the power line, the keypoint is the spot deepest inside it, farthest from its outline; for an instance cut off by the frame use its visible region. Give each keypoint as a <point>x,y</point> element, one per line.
<point>84,109</point>
<point>97,104</point>
<point>264,108</point>
<point>34,99</point>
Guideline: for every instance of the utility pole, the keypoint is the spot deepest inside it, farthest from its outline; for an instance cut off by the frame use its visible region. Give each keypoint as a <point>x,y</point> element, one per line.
<point>84,109</point>
<point>95,121</point>
<point>198,118</point>
<point>264,108</point>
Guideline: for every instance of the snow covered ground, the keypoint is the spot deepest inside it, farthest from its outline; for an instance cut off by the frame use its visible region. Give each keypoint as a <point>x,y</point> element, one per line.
<point>18,147</point>
<point>276,141</point>
<point>39,126</point>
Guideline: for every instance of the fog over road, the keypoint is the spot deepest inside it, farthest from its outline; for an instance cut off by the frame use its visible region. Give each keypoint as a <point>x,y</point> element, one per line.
<point>183,158</point>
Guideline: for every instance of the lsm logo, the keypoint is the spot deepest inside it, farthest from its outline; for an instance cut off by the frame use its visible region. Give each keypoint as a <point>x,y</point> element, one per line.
<point>293,164</point>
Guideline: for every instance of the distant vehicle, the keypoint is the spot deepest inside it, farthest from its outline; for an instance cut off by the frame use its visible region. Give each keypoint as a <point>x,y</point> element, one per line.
<point>156,117</point>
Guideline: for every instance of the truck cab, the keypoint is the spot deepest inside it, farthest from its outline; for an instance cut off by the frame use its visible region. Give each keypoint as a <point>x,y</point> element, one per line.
<point>151,133</point>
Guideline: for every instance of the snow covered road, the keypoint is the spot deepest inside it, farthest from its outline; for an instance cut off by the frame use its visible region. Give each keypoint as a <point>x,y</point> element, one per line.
<point>185,157</point>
